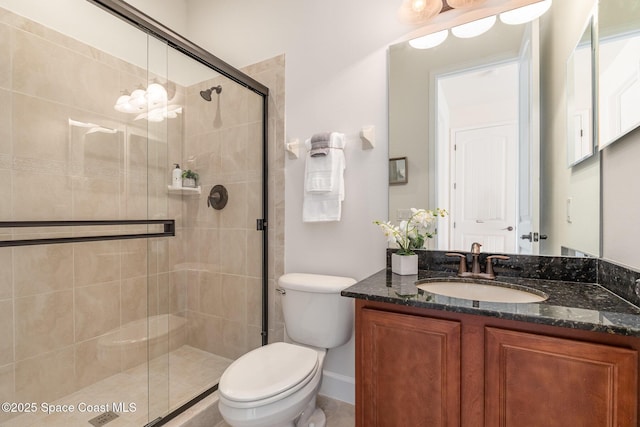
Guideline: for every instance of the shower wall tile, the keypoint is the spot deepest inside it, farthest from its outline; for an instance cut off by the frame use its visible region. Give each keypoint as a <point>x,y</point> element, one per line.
<point>96,262</point>
<point>163,294</point>
<point>234,106</point>
<point>6,197</point>
<point>177,291</point>
<point>69,78</point>
<point>97,310</point>
<point>134,299</point>
<point>43,323</point>
<point>254,302</point>
<point>46,377</point>
<point>133,258</point>
<point>6,332</point>
<point>92,364</point>
<point>209,296</point>
<point>5,114</point>
<point>7,387</point>
<point>6,274</point>
<point>5,52</point>
<point>209,248</point>
<point>49,140</point>
<point>234,339</point>
<point>233,298</point>
<point>95,198</point>
<point>95,154</point>
<point>205,332</point>
<point>254,253</point>
<point>234,151</point>
<point>233,249</point>
<point>234,214</point>
<point>54,270</point>
<point>40,196</point>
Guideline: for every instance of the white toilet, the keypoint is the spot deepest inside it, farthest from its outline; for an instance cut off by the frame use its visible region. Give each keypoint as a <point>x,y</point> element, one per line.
<point>276,385</point>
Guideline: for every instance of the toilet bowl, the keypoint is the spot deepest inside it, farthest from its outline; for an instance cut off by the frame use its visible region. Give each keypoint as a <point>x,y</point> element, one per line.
<point>276,385</point>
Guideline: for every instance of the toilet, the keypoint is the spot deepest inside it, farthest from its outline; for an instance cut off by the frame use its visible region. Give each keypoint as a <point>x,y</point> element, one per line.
<point>276,385</point>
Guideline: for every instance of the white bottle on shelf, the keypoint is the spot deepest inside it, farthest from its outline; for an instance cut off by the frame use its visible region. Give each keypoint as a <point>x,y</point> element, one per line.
<point>176,177</point>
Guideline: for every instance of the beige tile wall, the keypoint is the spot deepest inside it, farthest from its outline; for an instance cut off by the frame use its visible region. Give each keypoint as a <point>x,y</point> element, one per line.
<point>58,302</point>
<point>224,144</point>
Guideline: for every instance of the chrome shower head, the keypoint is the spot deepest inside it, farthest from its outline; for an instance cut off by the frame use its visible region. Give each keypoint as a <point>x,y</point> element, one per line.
<point>206,94</point>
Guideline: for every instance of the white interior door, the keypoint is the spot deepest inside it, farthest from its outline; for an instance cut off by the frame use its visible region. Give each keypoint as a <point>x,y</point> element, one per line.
<point>528,224</point>
<point>484,187</point>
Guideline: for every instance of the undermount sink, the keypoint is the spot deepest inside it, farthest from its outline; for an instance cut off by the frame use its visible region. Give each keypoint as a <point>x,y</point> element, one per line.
<point>483,292</point>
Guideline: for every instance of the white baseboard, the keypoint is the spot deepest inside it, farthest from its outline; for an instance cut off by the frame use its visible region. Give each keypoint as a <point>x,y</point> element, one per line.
<point>338,386</point>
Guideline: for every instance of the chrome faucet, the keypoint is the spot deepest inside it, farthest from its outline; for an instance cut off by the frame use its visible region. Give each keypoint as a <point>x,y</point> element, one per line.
<point>476,271</point>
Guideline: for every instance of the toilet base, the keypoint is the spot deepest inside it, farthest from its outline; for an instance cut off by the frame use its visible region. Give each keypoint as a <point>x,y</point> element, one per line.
<point>317,419</point>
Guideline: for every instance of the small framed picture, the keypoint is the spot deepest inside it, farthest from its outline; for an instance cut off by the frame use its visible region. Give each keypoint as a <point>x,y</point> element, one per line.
<point>398,171</point>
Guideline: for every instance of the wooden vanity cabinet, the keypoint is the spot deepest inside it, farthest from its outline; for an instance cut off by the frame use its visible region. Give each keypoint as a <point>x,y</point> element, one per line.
<point>419,367</point>
<point>410,370</point>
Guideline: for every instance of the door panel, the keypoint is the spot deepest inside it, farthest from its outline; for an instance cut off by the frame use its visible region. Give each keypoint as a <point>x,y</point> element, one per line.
<point>484,187</point>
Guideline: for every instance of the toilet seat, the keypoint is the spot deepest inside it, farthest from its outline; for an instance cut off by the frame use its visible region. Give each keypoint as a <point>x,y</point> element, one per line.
<point>268,374</point>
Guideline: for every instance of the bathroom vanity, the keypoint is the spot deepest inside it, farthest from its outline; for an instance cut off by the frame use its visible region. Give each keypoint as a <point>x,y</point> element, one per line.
<point>424,359</point>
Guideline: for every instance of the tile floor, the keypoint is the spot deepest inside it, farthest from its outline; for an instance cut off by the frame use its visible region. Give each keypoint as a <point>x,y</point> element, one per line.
<point>167,382</point>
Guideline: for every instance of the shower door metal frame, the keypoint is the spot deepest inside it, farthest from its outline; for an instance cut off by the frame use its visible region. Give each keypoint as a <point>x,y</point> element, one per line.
<point>147,24</point>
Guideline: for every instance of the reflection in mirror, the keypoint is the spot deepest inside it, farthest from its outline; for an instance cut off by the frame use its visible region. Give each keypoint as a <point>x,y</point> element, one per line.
<point>425,119</point>
<point>580,100</point>
<point>619,63</point>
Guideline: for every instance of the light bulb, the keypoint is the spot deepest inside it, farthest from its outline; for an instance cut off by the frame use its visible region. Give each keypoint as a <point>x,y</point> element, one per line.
<point>418,5</point>
<point>525,14</point>
<point>138,99</point>
<point>430,40</point>
<point>156,94</point>
<point>123,104</point>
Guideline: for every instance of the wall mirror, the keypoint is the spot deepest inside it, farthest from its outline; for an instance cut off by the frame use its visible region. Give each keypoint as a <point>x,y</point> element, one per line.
<point>466,114</point>
<point>619,68</point>
<point>580,100</point>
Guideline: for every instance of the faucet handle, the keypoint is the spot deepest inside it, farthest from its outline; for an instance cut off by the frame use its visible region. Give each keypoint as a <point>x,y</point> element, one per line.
<point>489,269</point>
<point>475,248</point>
<point>462,268</point>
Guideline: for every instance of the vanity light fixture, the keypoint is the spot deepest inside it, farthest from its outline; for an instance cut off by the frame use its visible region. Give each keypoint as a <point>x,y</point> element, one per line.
<point>525,14</point>
<point>474,28</point>
<point>462,4</point>
<point>430,40</point>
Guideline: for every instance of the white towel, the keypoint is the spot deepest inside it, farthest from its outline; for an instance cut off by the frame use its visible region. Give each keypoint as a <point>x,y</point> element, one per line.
<point>318,172</point>
<point>324,183</point>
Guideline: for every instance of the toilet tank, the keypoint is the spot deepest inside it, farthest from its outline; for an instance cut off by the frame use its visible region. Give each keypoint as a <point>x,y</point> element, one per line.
<point>314,312</point>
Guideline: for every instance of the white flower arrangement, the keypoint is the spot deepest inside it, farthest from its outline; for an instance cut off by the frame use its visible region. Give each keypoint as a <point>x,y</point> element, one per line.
<point>411,234</point>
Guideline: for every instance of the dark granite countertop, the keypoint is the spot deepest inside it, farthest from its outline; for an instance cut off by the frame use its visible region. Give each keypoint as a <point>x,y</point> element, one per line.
<point>580,305</point>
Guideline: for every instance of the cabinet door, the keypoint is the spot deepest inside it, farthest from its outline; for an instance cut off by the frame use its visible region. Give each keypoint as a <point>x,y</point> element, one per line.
<point>409,372</point>
<point>533,381</point>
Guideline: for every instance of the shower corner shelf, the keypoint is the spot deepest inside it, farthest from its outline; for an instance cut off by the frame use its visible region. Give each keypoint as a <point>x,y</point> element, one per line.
<point>184,190</point>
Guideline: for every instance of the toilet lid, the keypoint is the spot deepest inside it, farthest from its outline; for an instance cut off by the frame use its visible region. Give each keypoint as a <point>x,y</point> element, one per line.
<point>268,371</point>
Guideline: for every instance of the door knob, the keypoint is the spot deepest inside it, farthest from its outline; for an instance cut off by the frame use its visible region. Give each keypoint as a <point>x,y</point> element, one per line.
<point>528,237</point>
<point>509,228</point>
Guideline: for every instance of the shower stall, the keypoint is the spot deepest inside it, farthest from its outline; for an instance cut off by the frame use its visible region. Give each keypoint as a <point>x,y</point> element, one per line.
<point>122,295</point>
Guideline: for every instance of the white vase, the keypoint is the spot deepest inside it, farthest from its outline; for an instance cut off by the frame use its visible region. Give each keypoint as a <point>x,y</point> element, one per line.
<point>404,265</point>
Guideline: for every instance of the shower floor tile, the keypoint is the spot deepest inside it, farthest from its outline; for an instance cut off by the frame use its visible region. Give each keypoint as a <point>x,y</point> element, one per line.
<point>167,382</point>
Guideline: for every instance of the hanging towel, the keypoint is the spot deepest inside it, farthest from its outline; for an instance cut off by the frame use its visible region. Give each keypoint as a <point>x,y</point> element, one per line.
<point>324,182</point>
<point>320,144</point>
